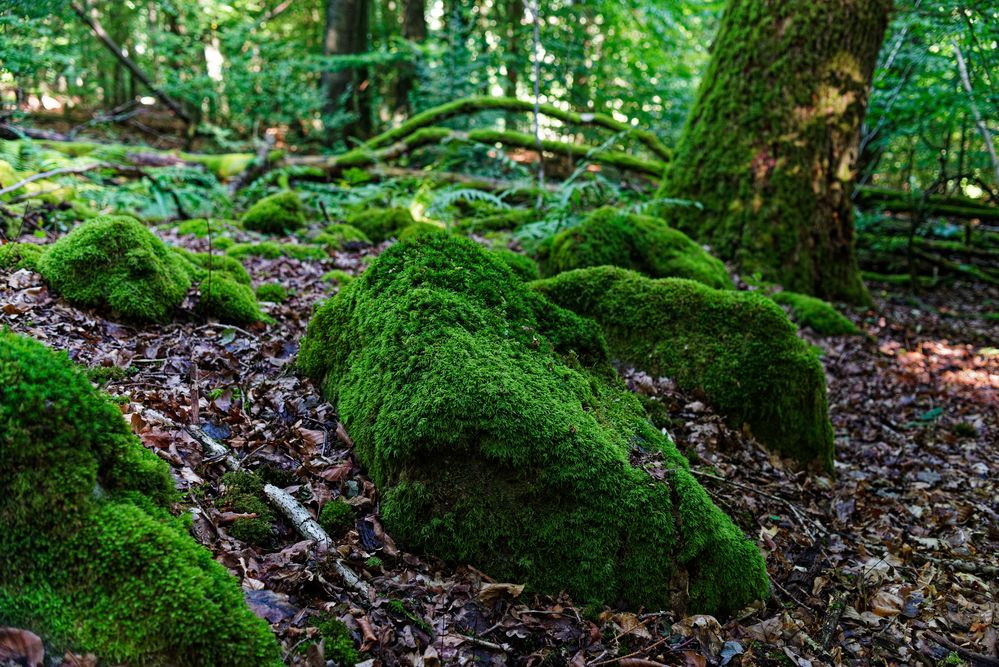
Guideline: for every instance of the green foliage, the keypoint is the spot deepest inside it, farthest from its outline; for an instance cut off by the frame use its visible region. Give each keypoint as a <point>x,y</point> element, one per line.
<point>90,558</point>
<point>116,264</point>
<point>244,494</point>
<point>342,237</point>
<point>337,640</point>
<point>499,435</point>
<point>14,256</point>
<point>736,348</point>
<point>275,214</point>
<point>378,224</point>
<point>632,241</point>
<point>511,219</point>
<point>522,266</point>
<point>818,315</point>
<point>226,300</point>
<point>273,292</point>
<point>336,517</point>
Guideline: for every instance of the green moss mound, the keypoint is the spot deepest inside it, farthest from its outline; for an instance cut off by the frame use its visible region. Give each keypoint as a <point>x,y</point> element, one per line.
<point>639,242</point>
<point>201,227</point>
<point>275,214</point>
<point>818,315</point>
<point>90,558</point>
<point>228,301</point>
<point>343,237</point>
<point>336,517</point>
<point>738,349</point>
<point>114,263</point>
<point>15,256</point>
<point>499,435</point>
<point>271,250</point>
<point>419,229</point>
<point>522,266</point>
<point>380,224</point>
<point>273,292</point>
<point>244,494</point>
<point>201,263</point>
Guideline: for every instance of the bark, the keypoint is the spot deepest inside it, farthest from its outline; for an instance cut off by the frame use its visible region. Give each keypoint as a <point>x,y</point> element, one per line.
<point>98,29</point>
<point>346,89</point>
<point>414,29</point>
<point>770,146</point>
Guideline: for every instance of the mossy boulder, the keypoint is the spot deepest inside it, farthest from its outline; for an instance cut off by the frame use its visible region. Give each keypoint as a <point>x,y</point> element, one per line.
<point>499,435</point>
<point>90,557</point>
<point>14,256</point>
<point>631,241</point>
<point>221,297</point>
<point>818,315</point>
<point>522,266</point>
<point>115,264</point>
<point>380,224</point>
<point>343,237</point>
<point>737,349</point>
<point>275,214</point>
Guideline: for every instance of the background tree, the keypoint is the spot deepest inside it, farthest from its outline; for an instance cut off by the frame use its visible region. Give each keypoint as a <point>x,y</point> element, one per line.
<point>769,149</point>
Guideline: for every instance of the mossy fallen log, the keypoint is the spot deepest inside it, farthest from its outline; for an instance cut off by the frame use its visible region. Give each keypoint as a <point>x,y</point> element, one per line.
<point>737,349</point>
<point>499,435</point>
<point>90,557</point>
<point>648,245</point>
<point>951,206</point>
<point>470,105</point>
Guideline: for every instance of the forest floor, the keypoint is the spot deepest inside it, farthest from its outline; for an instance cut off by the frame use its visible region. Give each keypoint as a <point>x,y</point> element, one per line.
<point>893,561</point>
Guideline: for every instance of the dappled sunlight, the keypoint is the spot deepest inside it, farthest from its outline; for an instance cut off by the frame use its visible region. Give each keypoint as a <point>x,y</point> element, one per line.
<point>960,366</point>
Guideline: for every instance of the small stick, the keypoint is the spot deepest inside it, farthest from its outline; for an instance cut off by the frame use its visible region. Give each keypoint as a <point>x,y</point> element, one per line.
<point>963,652</point>
<point>195,396</point>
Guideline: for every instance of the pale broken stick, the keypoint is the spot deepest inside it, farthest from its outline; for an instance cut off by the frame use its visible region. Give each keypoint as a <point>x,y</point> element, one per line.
<point>300,518</point>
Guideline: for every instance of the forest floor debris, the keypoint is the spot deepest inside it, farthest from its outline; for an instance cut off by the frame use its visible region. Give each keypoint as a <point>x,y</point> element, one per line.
<point>893,561</point>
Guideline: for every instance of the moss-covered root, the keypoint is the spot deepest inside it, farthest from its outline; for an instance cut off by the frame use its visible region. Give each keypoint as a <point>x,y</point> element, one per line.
<point>116,264</point>
<point>90,558</point>
<point>737,348</point>
<point>818,315</point>
<point>500,435</point>
<point>275,214</point>
<point>642,243</point>
<point>380,224</point>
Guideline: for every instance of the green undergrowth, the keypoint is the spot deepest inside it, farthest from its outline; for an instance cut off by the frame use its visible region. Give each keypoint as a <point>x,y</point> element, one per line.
<point>90,556</point>
<point>380,224</point>
<point>336,517</point>
<point>738,349</point>
<point>202,227</point>
<point>507,220</point>
<point>419,229</point>
<point>818,315</point>
<point>342,237</point>
<point>115,264</point>
<point>14,256</point>
<point>338,644</point>
<point>612,237</point>
<point>275,214</point>
<point>499,434</point>
<point>273,250</point>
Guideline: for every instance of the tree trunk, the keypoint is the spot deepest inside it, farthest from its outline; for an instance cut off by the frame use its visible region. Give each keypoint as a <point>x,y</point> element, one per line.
<point>414,29</point>
<point>770,147</point>
<point>346,88</point>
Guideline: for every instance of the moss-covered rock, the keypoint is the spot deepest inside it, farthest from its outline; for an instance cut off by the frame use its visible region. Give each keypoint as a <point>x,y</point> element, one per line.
<point>818,315</point>
<point>275,214</point>
<point>639,242</point>
<point>14,256</point>
<point>500,435</point>
<point>522,266</point>
<point>343,237</point>
<point>116,264</point>
<point>379,224</point>
<point>273,292</point>
<point>226,300</point>
<point>738,349</point>
<point>90,557</point>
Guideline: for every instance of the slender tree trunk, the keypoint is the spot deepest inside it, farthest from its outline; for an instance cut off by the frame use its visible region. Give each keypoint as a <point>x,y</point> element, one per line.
<point>769,149</point>
<point>414,29</point>
<point>346,88</point>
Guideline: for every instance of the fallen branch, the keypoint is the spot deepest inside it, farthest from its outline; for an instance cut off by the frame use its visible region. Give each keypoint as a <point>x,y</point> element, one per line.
<point>980,658</point>
<point>52,172</point>
<point>477,104</point>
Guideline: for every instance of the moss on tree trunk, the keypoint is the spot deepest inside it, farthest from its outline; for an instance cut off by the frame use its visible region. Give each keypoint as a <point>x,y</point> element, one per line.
<point>770,146</point>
